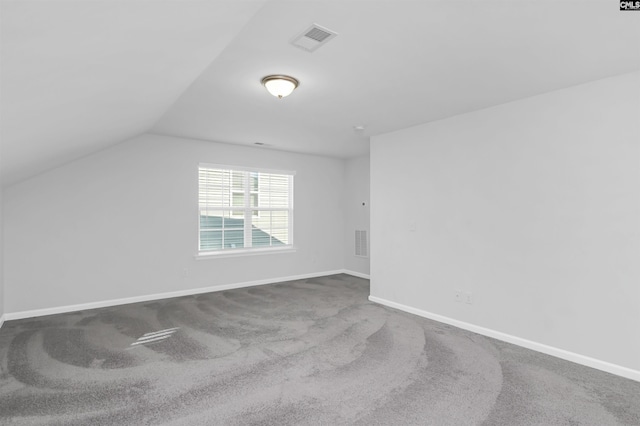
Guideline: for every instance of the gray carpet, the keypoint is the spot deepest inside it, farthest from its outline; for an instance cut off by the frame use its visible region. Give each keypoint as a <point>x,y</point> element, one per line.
<point>309,352</point>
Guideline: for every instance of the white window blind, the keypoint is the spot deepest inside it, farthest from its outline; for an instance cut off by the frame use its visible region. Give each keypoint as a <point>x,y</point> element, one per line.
<point>242,209</point>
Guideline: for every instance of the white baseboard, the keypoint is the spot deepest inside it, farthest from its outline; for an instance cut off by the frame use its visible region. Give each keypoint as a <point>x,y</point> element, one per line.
<point>356,274</point>
<point>150,297</point>
<point>539,347</point>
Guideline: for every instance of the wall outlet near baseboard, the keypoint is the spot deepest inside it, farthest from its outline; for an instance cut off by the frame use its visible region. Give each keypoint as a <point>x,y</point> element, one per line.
<point>463,296</point>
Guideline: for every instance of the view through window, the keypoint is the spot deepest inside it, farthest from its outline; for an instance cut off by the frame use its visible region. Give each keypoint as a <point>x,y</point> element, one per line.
<point>244,209</point>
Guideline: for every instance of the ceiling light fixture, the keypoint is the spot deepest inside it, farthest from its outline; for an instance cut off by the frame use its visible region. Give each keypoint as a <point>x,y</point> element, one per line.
<point>280,85</point>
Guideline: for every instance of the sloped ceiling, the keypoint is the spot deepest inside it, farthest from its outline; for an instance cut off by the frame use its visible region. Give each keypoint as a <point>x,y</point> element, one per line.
<point>79,76</point>
<point>396,64</point>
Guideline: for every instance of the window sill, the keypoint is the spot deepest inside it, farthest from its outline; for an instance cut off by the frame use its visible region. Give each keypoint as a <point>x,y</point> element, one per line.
<point>245,252</point>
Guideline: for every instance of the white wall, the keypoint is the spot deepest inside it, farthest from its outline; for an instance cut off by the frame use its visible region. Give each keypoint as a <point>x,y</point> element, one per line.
<point>123,223</point>
<point>1,263</point>
<point>532,206</point>
<point>356,215</point>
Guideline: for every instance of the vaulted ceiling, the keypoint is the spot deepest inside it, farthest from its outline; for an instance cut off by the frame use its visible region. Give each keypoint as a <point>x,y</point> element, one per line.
<point>79,76</point>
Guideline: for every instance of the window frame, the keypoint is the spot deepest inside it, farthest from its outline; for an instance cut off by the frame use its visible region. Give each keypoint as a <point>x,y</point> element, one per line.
<point>247,209</point>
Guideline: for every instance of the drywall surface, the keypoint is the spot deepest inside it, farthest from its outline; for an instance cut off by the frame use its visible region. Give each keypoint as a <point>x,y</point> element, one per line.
<point>356,211</point>
<point>1,262</point>
<point>124,223</point>
<point>531,206</point>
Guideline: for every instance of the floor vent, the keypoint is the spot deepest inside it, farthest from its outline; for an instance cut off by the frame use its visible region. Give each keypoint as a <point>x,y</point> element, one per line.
<point>362,247</point>
<point>313,37</point>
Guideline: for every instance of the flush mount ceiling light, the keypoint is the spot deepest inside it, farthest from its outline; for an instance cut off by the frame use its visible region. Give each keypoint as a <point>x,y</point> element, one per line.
<point>280,85</point>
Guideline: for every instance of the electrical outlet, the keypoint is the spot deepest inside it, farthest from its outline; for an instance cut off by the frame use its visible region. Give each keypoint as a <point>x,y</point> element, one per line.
<point>457,295</point>
<point>468,297</point>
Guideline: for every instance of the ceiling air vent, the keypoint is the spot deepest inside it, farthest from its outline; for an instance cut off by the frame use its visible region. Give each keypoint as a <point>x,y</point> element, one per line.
<point>313,37</point>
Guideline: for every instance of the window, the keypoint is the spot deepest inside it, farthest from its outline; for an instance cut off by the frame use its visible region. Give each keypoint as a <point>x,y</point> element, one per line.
<point>238,191</point>
<point>244,210</point>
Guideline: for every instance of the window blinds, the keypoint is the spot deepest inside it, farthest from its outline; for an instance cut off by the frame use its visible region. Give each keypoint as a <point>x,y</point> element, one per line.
<point>244,209</point>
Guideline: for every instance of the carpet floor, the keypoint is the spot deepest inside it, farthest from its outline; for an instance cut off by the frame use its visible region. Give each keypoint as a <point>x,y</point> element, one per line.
<point>308,352</point>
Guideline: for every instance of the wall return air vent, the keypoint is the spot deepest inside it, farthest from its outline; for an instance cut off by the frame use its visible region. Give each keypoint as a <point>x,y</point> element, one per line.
<point>362,245</point>
<point>313,37</point>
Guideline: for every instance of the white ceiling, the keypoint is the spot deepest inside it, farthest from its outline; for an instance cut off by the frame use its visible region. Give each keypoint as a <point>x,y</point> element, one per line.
<point>79,76</point>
